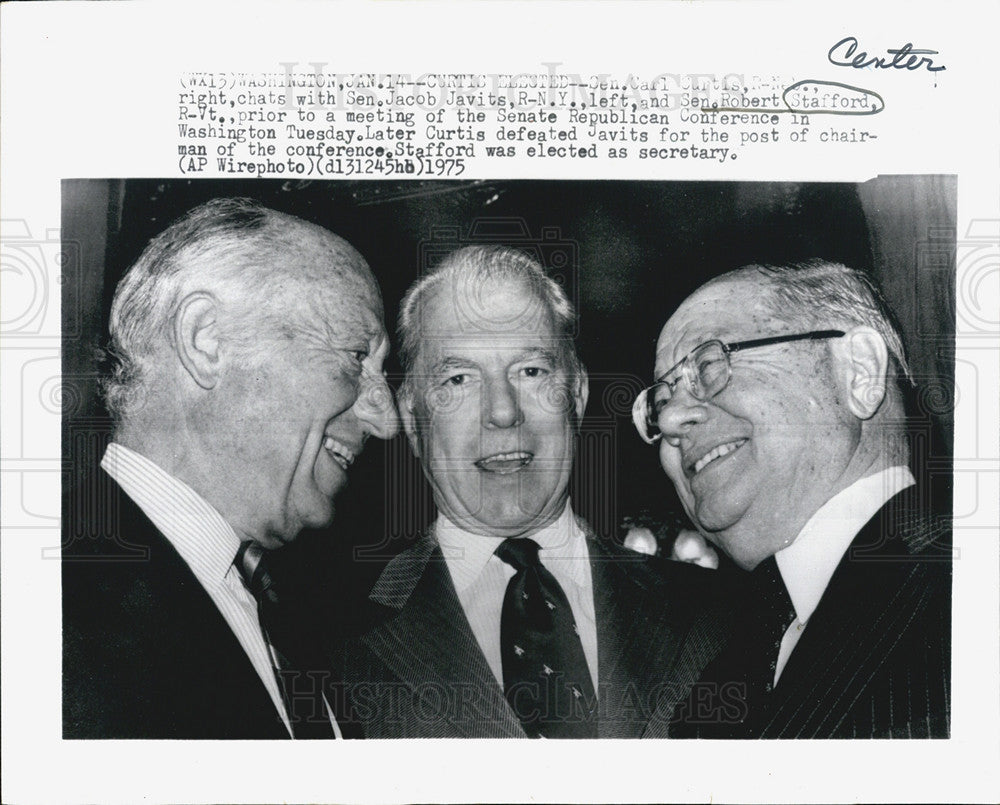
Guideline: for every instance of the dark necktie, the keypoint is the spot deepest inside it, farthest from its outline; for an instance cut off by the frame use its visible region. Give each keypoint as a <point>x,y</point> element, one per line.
<point>287,644</point>
<point>774,615</point>
<point>545,675</point>
<point>733,697</point>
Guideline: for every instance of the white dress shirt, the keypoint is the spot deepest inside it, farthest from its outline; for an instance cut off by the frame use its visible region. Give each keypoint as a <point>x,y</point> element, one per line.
<point>807,564</point>
<point>206,542</point>
<point>481,577</point>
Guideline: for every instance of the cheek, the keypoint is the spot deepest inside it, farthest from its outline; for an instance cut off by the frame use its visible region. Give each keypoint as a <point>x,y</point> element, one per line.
<point>329,398</point>
<point>559,435</point>
<point>670,460</point>
<point>552,398</point>
<point>794,422</point>
<point>450,434</point>
<point>549,416</point>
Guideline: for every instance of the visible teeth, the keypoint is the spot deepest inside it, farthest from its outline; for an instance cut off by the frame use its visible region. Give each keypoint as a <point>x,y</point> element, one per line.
<point>718,452</point>
<point>508,457</point>
<point>340,453</point>
<point>504,463</point>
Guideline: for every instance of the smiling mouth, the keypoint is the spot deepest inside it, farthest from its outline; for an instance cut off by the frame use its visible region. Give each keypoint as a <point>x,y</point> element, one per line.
<point>339,452</point>
<point>716,453</point>
<point>505,463</point>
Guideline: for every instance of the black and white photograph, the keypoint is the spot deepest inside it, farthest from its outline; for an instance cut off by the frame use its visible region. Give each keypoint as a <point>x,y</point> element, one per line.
<point>650,459</point>
<point>391,390</point>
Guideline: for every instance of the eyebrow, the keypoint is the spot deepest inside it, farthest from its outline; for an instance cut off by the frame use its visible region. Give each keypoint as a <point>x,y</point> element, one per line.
<point>537,352</point>
<point>452,362</point>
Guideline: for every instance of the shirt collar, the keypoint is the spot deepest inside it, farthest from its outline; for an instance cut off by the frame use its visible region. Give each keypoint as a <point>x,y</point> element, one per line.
<point>205,541</point>
<point>809,562</point>
<point>467,554</point>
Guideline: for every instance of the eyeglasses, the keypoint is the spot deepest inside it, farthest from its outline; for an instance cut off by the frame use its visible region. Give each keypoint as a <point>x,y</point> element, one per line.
<point>706,370</point>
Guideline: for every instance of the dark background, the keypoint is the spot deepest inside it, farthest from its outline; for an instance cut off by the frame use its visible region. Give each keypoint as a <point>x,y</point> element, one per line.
<point>627,253</point>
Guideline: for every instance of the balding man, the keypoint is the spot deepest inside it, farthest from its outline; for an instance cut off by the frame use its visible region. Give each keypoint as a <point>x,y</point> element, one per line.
<point>250,347</point>
<point>778,412</point>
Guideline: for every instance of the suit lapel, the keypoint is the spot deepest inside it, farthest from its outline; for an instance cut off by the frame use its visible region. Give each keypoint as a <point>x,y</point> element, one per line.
<point>179,670</point>
<point>430,646</point>
<point>635,640</point>
<point>198,637</point>
<point>877,590</point>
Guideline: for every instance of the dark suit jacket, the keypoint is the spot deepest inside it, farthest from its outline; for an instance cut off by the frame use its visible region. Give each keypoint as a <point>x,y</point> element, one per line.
<point>875,658</point>
<point>146,653</point>
<point>421,674</point>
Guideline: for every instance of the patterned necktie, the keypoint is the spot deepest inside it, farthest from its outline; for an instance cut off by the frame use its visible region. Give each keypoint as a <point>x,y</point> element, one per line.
<point>281,632</point>
<point>545,675</point>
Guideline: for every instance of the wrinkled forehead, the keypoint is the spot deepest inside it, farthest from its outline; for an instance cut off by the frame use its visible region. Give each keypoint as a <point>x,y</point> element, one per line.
<point>727,310</point>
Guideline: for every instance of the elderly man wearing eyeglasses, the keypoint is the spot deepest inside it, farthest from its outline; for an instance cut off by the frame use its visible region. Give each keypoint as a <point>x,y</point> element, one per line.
<point>778,414</point>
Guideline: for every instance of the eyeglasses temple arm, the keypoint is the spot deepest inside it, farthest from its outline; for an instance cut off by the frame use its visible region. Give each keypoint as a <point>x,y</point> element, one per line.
<point>817,335</point>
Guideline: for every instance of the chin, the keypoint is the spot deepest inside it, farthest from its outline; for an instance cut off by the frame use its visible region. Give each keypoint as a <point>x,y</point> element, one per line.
<point>711,523</point>
<point>319,515</point>
<point>723,509</point>
<point>324,519</point>
<point>508,524</point>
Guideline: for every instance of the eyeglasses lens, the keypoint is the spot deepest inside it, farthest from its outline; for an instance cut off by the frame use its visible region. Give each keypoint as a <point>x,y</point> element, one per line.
<point>706,372</point>
<point>711,370</point>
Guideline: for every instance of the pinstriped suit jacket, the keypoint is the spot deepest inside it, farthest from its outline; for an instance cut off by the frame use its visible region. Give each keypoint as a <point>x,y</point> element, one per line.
<point>875,659</point>
<point>420,673</point>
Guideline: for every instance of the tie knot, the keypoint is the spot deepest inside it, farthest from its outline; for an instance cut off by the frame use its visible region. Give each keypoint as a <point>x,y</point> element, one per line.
<point>251,562</point>
<point>519,552</point>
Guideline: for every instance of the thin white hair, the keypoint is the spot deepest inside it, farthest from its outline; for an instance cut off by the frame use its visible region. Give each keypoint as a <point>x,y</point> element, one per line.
<point>233,245</point>
<point>475,267</point>
<point>820,294</point>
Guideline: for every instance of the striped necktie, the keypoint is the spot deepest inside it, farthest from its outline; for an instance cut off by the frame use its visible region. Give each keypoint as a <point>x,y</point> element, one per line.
<point>285,641</point>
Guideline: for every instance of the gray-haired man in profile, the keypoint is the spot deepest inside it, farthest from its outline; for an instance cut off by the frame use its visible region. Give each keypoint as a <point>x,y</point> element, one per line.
<point>778,412</point>
<point>510,617</point>
<point>250,347</point>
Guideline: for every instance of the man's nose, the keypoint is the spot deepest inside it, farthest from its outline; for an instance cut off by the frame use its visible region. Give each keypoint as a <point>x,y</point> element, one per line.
<point>679,415</point>
<point>501,406</point>
<point>376,407</point>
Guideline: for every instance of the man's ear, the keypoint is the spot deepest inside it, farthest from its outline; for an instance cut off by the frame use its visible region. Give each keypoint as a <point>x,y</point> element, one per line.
<point>863,368</point>
<point>196,338</point>
<point>408,418</point>
<point>581,393</point>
